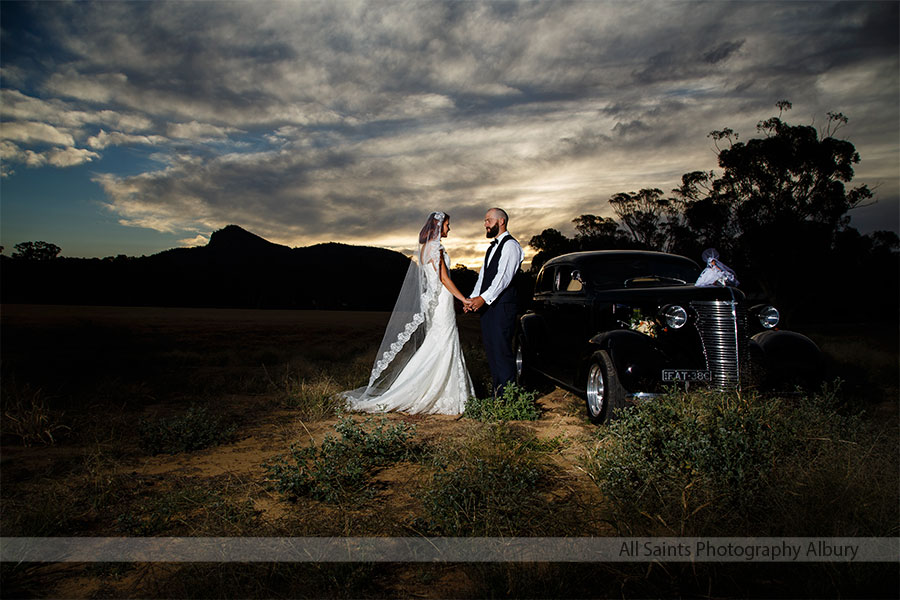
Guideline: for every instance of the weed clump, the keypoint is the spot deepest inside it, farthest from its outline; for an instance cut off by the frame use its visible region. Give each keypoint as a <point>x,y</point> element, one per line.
<point>514,404</point>
<point>191,510</point>
<point>339,467</point>
<point>27,416</point>
<point>194,430</point>
<point>726,464</point>
<point>491,485</point>
<point>314,397</point>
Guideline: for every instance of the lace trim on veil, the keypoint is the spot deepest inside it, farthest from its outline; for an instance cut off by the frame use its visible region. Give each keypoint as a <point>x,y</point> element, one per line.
<point>418,319</point>
<point>429,298</point>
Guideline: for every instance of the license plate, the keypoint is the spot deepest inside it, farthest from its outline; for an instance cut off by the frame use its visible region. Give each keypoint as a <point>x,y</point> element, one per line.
<point>686,375</point>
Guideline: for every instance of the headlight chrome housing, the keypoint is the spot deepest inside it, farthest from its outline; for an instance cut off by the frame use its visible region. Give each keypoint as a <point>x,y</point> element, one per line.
<point>675,316</point>
<point>768,316</point>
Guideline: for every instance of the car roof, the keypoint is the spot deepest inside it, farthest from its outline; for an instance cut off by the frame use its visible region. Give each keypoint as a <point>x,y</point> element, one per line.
<point>580,257</point>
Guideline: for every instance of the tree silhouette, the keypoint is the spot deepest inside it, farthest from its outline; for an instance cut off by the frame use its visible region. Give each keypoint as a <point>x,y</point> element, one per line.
<point>778,214</point>
<point>779,210</point>
<point>463,278</point>
<point>598,233</point>
<point>705,219</point>
<point>779,204</point>
<point>549,243</point>
<point>648,216</point>
<point>36,251</point>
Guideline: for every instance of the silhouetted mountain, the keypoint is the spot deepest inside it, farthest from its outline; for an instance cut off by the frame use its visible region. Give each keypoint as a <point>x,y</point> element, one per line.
<point>233,238</point>
<point>235,269</point>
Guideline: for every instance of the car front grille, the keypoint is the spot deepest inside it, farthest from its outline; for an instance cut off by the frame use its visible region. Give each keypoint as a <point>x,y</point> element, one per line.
<point>722,326</point>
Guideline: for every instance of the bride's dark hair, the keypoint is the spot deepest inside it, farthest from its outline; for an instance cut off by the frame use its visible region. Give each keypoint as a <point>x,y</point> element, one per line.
<point>432,228</point>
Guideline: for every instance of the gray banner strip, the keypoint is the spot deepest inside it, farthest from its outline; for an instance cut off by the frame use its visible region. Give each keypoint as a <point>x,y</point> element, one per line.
<point>466,550</point>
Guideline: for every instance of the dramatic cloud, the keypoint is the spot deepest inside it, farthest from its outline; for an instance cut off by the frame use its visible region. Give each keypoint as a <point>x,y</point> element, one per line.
<point>35,133</point>
<point>198,131</point>
<point>103,140</point>
<point>351,120</point>
<point>68,157</point>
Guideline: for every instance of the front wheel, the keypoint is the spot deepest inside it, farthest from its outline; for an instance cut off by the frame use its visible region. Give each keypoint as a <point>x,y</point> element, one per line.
<point>605,396</point>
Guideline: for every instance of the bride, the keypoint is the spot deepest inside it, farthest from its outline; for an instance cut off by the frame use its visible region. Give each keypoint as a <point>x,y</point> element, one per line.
<point>420,366</point>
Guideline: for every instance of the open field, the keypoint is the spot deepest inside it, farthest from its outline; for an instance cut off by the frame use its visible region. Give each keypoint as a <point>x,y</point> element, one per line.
<point>86,392</point>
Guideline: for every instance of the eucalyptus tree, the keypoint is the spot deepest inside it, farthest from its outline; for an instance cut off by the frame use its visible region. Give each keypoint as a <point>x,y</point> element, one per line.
<point>777,210</point>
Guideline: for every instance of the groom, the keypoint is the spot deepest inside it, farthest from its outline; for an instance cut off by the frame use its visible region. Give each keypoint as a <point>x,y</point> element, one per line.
<point>494,290</point>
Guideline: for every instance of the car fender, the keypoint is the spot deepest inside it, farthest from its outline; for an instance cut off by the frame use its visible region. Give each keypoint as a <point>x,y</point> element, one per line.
<point>635,356</point>
<point>788,356</point>
<point>532,330</point>
<point>788,346</point>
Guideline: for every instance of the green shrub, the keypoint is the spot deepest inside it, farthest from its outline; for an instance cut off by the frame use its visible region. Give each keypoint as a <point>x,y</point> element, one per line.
<point>194,430</point>
<point>339,468</point>
<point>514,404</point>
<point>706,463</point>
<point>487,485</point>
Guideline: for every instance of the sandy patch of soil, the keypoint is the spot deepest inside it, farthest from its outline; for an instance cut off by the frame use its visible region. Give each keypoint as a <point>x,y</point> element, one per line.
<point>242,462</point>
<point>214,344</point>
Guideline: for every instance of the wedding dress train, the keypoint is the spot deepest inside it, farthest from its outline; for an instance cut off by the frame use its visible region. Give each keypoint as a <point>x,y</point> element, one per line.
<point>434,378</point>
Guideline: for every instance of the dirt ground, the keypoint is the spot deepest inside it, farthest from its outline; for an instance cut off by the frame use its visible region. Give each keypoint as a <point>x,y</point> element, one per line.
<point>89,375</point>
<point>102,369</point>
<point>241,462</point>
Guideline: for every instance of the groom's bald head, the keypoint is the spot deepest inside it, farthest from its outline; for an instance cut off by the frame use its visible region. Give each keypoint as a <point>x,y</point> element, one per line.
<point>500,215</point>
<point>495,221</point>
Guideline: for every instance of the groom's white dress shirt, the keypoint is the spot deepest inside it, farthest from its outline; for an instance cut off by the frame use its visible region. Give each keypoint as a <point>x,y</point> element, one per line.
<point>511,257</point>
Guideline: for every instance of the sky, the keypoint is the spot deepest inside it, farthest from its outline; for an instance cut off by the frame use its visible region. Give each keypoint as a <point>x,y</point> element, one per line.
<point>134,127</point>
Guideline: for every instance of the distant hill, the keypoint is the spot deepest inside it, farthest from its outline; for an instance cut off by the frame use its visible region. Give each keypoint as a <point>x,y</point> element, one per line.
<point>236,269</point>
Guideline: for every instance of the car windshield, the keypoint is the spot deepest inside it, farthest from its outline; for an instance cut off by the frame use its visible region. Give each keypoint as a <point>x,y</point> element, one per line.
<point>639,271</point>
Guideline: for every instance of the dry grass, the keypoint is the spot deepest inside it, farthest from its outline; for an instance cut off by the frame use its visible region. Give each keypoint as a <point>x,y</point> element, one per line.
<point>27,416</point>
<point>100,371</point>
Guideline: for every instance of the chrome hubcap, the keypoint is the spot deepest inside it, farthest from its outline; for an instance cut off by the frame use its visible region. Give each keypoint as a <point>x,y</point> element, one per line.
<point>519,360</point>
<point>596,390</point>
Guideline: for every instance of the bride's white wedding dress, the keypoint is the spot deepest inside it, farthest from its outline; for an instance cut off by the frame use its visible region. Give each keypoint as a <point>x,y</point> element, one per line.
<point>431,377</point>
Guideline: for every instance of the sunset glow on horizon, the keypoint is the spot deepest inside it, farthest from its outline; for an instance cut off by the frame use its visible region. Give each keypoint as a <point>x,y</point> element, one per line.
<point>131,128</point>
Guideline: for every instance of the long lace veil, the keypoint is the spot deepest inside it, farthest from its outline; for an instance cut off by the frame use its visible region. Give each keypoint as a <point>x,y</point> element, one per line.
<point>411,316</point>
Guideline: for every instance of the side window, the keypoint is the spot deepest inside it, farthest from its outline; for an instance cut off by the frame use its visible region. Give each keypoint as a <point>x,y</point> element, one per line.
<point>567,279</point>
<point>544,281</point>
<point>575,284</point>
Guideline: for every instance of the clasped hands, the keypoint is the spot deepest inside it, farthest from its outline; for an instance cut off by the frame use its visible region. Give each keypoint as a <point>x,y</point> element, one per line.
<point>473,304</point>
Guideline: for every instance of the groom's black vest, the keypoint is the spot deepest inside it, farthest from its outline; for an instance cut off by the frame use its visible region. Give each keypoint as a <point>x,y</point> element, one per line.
<point>490,271</point>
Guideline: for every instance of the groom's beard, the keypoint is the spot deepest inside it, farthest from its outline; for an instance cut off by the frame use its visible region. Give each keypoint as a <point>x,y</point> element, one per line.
<point>493,231</point>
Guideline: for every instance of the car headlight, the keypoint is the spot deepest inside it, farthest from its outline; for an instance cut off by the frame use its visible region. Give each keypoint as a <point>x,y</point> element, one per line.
<point>675,316</point>
<point>768,316</point>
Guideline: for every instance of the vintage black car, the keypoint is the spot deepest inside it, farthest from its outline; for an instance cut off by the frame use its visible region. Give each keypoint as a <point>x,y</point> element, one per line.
<point>614,326</point>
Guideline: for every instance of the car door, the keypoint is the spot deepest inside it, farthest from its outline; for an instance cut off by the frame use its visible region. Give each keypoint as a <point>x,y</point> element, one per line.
<point>539,328</point>
<point>571,322</point>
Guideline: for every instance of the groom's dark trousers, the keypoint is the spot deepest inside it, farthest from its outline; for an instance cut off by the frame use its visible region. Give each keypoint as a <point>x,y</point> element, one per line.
<point>498,325</point>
